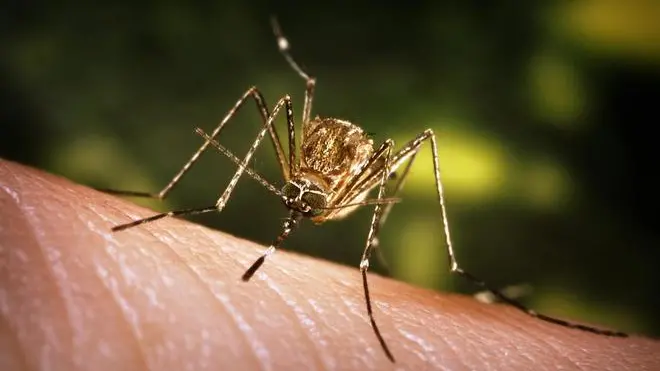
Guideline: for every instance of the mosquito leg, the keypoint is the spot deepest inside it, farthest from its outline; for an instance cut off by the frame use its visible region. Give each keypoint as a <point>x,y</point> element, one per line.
<point>292,222</point>
<point>289,225</point>
<point>453,263</point>
<point>369,247</point>
<point>284,46</point>
<point>196,211</point>
<point>251,172</point>
<point>253,93</point>
<point>222,201</point>
<point>283,102</point>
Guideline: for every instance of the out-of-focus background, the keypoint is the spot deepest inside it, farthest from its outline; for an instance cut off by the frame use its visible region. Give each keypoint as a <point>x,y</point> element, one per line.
<point>545,113</point>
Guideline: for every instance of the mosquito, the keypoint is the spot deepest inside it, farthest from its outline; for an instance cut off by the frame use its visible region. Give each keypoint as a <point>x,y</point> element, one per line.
<point>330,175</point>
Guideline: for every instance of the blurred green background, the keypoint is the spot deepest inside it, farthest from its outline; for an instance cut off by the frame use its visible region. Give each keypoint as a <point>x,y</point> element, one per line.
<point>544,112</point>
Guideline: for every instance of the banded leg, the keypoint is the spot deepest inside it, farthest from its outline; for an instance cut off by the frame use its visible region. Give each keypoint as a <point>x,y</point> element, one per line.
<point>386,149</point>
<point>253,93</point>
<point>287,169</point>
<point>289,225</point>
<point>454,266</point>
<point>222,201</point>
<point>251,172</point>
<point>408,153</point>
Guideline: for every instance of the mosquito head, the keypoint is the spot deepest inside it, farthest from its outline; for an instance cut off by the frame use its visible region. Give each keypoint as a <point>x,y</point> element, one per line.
<point>305,197</point>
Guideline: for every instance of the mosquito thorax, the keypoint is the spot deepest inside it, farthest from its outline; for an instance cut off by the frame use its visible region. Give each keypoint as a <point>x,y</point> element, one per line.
<point>334,149</point>
<point>304,196</point>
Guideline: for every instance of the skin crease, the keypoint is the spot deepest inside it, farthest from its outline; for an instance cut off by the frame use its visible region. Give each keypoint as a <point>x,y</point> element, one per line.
<point>168,295</point>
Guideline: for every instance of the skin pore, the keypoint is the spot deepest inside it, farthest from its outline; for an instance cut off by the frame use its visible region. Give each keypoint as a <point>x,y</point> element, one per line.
<point>168,295</point>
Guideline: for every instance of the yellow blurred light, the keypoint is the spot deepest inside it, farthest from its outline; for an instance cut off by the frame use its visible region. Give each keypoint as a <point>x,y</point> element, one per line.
<point>472,166</point>
<point>420,256</point>
<point>102,161</point>
<point>556,91</point>
<point>545,185</point>
<point>630,28</point>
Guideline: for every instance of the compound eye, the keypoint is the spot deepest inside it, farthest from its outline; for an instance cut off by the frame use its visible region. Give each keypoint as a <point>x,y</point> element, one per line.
<point>291,191</point>
<point>315,201</point>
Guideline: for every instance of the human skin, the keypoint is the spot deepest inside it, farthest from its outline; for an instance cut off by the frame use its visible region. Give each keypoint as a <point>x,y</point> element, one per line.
<point>168,296</point>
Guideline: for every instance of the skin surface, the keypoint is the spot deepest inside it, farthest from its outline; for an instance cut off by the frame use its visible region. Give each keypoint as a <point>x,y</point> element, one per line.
<point>168,295</point>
